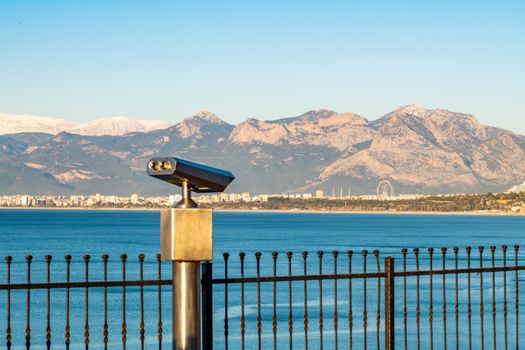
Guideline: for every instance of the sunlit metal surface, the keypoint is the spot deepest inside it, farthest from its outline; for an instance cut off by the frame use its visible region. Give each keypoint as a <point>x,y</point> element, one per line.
<point>187,306</point>
<point>186,234</point>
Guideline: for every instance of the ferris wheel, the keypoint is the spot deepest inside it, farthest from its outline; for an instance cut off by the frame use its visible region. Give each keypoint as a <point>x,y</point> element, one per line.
<point>385,190</point>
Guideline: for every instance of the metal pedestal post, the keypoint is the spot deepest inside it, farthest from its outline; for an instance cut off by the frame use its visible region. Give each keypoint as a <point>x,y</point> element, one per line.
<point>186,305</point>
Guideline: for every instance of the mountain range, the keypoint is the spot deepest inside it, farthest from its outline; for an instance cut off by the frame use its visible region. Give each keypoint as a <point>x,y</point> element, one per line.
<point>418,150</point>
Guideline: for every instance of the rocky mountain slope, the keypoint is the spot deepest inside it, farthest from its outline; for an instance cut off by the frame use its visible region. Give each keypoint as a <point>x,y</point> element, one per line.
<point>418,150</point>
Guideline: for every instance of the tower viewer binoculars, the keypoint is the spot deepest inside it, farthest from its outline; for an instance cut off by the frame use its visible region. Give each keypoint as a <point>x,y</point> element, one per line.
<point>200,178</point>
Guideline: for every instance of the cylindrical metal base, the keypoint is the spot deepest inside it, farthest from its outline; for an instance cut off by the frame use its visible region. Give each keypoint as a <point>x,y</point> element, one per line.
<point>186,305</point>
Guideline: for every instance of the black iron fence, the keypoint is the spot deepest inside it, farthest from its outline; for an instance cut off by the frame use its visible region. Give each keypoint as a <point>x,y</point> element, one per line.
<point>458,299</point>
<point>86,285</point>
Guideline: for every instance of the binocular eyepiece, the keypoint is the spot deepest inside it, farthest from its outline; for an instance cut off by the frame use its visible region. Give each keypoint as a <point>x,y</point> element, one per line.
<point>156,166</point>
<point>198,177</point>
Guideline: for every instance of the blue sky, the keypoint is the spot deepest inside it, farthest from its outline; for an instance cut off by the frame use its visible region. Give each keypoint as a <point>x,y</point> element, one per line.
<point>266,59</point>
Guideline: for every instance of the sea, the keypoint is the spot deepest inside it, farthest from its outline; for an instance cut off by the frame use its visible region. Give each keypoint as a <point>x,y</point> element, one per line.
<point>98,232</point>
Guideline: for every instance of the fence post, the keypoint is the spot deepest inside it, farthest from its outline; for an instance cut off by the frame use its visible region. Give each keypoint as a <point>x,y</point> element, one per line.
<point>389,304</point>
<point>207,306</point>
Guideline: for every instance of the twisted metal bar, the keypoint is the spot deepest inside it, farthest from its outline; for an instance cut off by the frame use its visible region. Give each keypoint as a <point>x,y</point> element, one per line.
<point>290,311</point>
<point>8,261</point>
<point>274,315</point>
<point>469,303</point>
<point>86,314</point>
<point>48,302</point>
<point>68,275</point>
<point>405,311</point>
<point>481,305</point>
<point>492,250</point>
<point>456,305</point>
<point>418,308</point>
<point>242,255</point>
<point>444,291</point>
<point>226,256</point>
<point>124,258</point>
<point>141,272</point>
<point>349,255</point>
<point>364,253</point>
<point>431,303</point>
<point>105,330</point>
<point>29,259</point>
<point>505,306</point>
<point>159,301</point>
<point>259,318</point>
<point>320,257</point>
<point>517,293</point>
<point>378,312</point>
<point>335,253</point>
<point>304,255</point>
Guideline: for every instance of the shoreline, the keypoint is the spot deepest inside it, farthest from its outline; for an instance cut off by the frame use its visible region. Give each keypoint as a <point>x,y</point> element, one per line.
<point>292,211</point>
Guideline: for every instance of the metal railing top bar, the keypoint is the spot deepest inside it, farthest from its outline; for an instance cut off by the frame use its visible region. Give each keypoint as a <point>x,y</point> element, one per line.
<point>89,284</point>
<point>369,275</point>
<point>299,278</point>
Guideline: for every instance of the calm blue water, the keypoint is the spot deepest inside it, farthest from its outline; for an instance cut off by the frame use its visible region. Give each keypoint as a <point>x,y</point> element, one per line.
<point>40,232</point>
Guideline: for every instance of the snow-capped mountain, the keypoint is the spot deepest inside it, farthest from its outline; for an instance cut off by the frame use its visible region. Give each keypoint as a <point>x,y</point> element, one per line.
<point>119,125</point>
<point>12,124</point>
<point>107,126</point>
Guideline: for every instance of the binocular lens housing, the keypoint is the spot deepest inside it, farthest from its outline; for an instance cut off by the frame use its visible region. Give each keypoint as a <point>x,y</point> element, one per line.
<point>201,178</point>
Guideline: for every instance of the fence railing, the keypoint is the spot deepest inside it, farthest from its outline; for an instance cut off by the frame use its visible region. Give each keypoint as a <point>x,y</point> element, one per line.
<point>101,286</point>
<point>458,299</point>
<point>397,303</point>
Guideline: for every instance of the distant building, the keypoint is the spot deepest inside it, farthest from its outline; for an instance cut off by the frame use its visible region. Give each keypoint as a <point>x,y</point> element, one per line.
<point>319,194</point>
<point>25,201</point>
<point>134,199</point>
